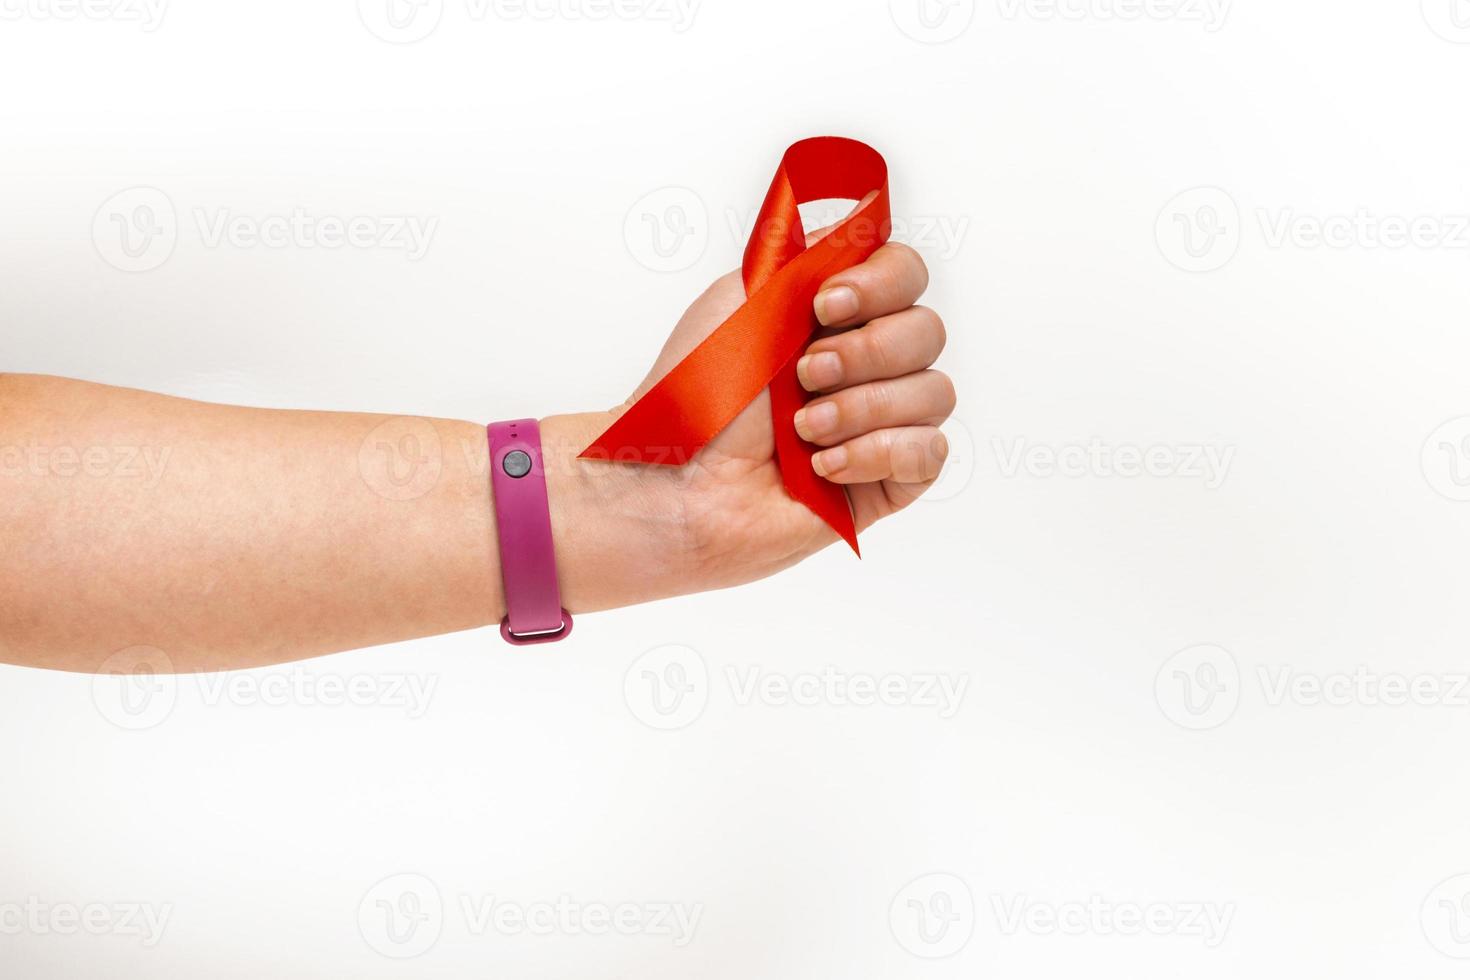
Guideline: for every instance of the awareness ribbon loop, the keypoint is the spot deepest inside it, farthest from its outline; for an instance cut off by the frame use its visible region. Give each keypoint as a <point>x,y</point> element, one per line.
<point>760,343</point>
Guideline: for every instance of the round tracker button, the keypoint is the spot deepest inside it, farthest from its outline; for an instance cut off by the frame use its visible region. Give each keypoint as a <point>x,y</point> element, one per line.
<point>516,463</point>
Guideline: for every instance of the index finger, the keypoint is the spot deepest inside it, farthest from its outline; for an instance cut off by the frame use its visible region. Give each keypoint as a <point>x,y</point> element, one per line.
<point>890,281</point>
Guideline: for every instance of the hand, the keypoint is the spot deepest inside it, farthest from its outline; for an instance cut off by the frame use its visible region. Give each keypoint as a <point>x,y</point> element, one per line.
<point>275,535</point>
<point>630,533</point>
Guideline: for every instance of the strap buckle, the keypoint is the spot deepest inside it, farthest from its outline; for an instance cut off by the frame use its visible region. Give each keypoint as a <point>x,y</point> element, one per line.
<point>549,636</point>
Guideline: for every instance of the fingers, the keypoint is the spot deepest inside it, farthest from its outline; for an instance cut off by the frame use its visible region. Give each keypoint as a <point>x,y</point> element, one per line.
<point>880,414</point>
<point>913,454</point>
<point>888,347</point>
<point>892,279</point>
<point>923,398</point>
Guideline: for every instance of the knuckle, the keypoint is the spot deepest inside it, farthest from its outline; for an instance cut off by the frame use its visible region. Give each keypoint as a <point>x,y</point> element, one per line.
<point>877,401</point>
<point>887,280</point>
<point>878,349</point>
<point>884,448</point>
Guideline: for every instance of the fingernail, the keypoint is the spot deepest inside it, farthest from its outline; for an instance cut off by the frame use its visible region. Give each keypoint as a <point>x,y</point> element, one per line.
<point>830,461</point>
<point>815,421</point>
<point>818,371</point>
<point>835,305</point>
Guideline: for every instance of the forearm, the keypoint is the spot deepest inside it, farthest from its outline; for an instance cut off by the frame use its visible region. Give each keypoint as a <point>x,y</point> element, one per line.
<point>231,537</point>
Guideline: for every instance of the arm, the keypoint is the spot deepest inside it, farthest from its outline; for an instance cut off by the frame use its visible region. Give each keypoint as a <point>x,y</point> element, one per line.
<point>233,537</point>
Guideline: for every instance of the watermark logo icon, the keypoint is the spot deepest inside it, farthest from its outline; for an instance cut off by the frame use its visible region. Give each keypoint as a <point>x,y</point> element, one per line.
<point>932,21</point>
<point>667,230</point>
<point>933,916</point>
<point>402,458</point>
<point>1450,19</point>
<point>400,21</point>
<point>401,916</point>
<point>1199,229</point>
<point>1198,688</point>
<point>135,688</point>
<point>1445,917</point>
<point>668,687</point>
<point>136,229</point>
<point>1445,459</point>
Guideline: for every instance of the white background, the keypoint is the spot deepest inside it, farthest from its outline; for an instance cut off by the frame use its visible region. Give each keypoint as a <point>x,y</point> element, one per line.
<point>1038,158</point>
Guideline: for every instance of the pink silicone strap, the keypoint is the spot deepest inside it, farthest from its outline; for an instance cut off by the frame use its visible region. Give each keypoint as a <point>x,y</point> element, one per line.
<point>527,556</point>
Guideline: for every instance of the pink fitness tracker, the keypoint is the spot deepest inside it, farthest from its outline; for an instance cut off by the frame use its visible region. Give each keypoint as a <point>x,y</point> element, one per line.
<point>534,613</point>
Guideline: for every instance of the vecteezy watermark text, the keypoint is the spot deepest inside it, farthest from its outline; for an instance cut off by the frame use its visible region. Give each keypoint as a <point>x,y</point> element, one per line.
<point>1363,229</point>
<point>1210,14</point>
<point>939,236</point>
<point>300,228</point>
<point>137,689</point>
<point>36,917</point>
<point>1099,916</point>
<point>669,687</point>
<point>566,916</point>
<point>403,916</point>
<point>147,14</point>
<point>97,462</point>
<point>410,693</point>
<point>1362,686</point>
<point>935,915</point>
<point>1209,464</point>
<point>137,229</point>
<point>669,229</point>
<point>1200,687</point>
<point>1201,230</point>
<point>408,21</point>
<point>840,688</point>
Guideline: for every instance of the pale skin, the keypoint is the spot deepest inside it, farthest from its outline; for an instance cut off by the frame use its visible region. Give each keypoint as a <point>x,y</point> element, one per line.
<point>225,537</point>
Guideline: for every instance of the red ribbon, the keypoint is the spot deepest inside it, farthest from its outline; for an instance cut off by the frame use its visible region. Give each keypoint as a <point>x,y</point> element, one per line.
<point>759,345</point>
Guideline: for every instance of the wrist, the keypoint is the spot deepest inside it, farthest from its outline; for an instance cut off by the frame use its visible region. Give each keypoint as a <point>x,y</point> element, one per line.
<point>619,530</point>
